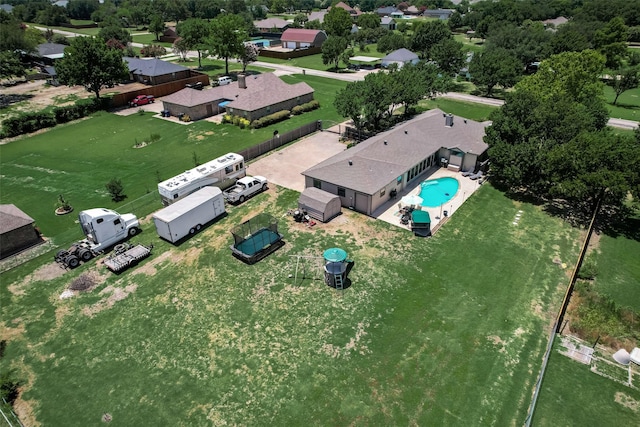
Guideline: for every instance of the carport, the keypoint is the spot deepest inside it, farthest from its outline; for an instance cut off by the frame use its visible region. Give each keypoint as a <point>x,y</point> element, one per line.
<point>319,204</point>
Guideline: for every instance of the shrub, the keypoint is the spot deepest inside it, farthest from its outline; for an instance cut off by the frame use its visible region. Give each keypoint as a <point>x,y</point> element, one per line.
<point>227,118</point>
<point>270,119</point>
<point>116,190</point>
<point>82,283</point>
<point>153,50</point>
<point>309,106</point>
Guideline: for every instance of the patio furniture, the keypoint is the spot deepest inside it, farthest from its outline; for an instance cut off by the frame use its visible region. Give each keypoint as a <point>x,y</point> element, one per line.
<point>476,175</point>
<point>468,173</point>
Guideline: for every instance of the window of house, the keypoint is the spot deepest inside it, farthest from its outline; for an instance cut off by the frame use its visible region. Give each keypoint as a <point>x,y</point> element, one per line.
<point>342,192</point>
<point>317,183</point>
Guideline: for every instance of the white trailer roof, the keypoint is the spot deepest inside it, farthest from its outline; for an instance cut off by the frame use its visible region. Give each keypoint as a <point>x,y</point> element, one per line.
<point>187,177</point>
<point>177,209</point>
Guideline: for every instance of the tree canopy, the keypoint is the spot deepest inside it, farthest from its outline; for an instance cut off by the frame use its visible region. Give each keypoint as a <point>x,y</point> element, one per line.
<point>91,63</point>
<point>195,32</point>
<point>228,34</point>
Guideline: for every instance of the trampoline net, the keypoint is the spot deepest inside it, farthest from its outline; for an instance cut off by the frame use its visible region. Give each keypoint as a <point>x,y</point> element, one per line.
<point>254,226</point>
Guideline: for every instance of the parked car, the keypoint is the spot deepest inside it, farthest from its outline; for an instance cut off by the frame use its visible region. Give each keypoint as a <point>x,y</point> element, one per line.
<point>222,81</point>
<point>142,100</point>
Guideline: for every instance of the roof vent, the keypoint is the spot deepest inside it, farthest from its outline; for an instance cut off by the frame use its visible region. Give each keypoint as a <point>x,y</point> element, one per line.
<point>406,132</point>
<point>350,163</point>
<point>385,142</point>
<point>448,120</point>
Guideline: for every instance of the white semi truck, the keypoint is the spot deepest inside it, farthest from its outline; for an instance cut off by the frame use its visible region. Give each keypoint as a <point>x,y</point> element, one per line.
<point>190,214</point>
<point>102,228</point>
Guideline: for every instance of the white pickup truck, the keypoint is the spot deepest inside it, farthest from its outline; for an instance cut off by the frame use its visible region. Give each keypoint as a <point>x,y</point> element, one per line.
<point>245,188</point>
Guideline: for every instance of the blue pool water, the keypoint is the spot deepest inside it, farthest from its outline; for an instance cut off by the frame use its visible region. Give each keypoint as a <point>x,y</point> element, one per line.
<point>436,192</point>
<point>261,42</point>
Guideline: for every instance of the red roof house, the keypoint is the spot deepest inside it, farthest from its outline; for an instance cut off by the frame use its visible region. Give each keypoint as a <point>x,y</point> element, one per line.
<point>298,38</point>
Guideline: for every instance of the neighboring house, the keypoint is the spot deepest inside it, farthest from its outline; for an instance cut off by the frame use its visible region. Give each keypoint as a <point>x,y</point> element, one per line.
<point>353,12</point>
<point>298,38</point>
<point>386,11</point>
<point>318,16</point>
<point>555,22</point>
<point>365,175</point>
<point>251,97</point>
<point>388,23</point>
<point>169,35</point>
<point>16,231</point>
<point>438,13</point>
<point>154,71</point>
<point>412,10</point>
<point>49,52</point>
<point>400,57</point>
<point>398,14</point>
<point>271,25</point>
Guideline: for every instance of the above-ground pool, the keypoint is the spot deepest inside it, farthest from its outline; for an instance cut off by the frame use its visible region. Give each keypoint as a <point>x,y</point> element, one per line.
<point>436,192</point>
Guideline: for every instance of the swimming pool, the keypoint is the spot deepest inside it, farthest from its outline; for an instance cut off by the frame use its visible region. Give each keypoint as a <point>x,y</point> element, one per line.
<point>436,192</point>
<point>261,42</point>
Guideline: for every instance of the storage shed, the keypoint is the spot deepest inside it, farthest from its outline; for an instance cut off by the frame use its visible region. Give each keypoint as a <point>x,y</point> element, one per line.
<point>17,231</point>
<point>319,204</point>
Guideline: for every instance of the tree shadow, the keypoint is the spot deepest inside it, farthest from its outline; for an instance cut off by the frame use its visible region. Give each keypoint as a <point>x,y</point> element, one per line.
<point>10,99</point>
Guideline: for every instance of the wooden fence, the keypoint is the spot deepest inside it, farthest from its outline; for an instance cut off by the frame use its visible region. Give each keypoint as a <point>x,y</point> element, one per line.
<point>291,54</point>
<point>122,99</point>
<point>278,140</point>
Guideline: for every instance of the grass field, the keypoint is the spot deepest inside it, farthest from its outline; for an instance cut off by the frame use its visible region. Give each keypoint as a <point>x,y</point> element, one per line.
<point>572,395</point>
<point>150,39</point>
<point>470,110</point>
<point>628,105</point>
<point>427,333</point>
<point>78,159</point>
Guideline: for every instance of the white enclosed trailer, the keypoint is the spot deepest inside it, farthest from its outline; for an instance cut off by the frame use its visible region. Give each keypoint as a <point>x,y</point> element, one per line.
<point>189,215</point>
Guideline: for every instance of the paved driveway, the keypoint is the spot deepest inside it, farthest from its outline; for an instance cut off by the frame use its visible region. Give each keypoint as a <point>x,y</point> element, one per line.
<point>284,167</point>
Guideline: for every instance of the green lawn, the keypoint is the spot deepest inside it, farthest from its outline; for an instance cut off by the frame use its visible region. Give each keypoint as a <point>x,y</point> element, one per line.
<point>150,39</point>
<point>469,110</point>
<point>427,333</point>
<point>574,396</point>
<point>628,105</point>
<point>216,67</point>
<point>78,159</point>
<point>471,45</point>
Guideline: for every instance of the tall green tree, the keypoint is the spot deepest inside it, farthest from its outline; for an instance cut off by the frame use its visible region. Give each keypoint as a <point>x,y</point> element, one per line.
<point>611,41</point>
<point>428,34</point>
<point>332,49</point>
<point>157,26</point>
<point>623,80</point>
<point>369,20</point>
<point>195,33</point>
<point>91,63</point>
<point>337,22</point>
<point>228,34</point>
<point>494,67</point>
<point>10,65</point>
<point>449,55</point>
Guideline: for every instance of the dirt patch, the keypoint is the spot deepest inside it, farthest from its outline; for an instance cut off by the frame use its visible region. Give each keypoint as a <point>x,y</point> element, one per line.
<point>117,294</point>
<point>45,273</point>
<point>627,401</point>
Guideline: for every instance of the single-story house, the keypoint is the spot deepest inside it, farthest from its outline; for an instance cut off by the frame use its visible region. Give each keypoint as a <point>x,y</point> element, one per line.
<point>400,57</point>
<point>299,38</point>
<point>438,13</point>
<point>398,14</point>
<point>17,231</point>
<point>365,175</point>
<point>388,23</point>
<point>412,10</point>
<point>251,97</point>
<point>169,35</point>
<point>554,23</point>
<point>318,16</point>
<point>50,52</point>
<point>387,11</point>
<point>353,12</point>
<point>319,204</point>
<point>154,71</point>
<point>271,25</point>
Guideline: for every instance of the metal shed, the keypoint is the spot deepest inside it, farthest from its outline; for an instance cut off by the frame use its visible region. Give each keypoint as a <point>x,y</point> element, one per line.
<point>319,204</point>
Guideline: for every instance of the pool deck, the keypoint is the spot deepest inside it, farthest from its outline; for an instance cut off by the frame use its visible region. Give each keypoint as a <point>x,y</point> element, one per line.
<point>389,212</point>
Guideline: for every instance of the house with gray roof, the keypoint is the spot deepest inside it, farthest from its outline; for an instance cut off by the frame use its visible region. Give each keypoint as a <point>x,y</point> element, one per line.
<point>154,71</point>
<point>400,57</point>
<point>318,16</point>
<point>271,25</point>
<point>17,231</point>
<point>365,175</point>
<point>387,10</point>
<point>251,97</point>
<point>49,52</point>
<point>438,13</point>
<point>388,23</point>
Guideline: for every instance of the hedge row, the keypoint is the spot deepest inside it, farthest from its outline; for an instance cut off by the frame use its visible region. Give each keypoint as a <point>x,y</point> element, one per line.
<point>31,122</point>
<point>270,119</point>
<point>309,106</point>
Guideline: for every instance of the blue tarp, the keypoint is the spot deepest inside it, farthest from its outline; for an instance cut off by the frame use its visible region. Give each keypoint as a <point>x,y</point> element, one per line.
<point>223,103</point>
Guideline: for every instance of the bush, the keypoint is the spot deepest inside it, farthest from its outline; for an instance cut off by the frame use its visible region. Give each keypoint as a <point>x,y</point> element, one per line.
<point>270,119</point>
<point>153,50</point>
<point>116,190</point>
<point>309,106</point>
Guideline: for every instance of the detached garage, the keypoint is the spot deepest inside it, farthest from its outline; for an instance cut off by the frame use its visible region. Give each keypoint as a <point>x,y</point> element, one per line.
<point>319,204</point>
<point>17,231</point>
